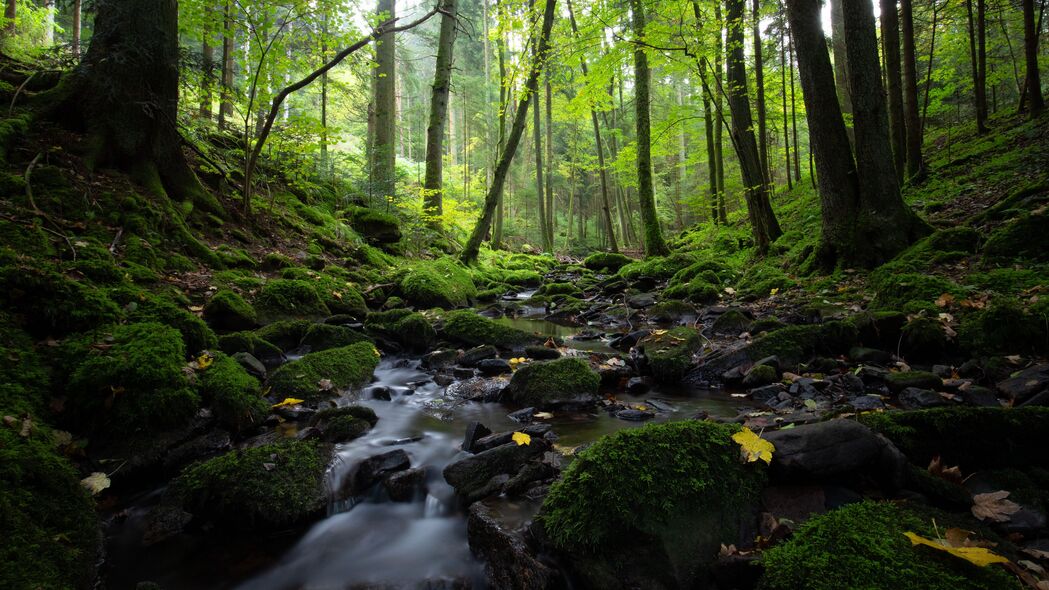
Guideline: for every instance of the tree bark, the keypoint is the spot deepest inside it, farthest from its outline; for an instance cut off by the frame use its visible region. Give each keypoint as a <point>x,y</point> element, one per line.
<point>433,183</point>
<point>794,116</point>
<point>981,59</point>
<point>652,236</point>
<point>890,36</point>
<point>783,87</point>
<point>979,96</point>
<point>841,61</point>
<point>207,58</point>
<point>763,222</point>
<point>911,119</point>
<point>78,15</point>
<point>719,124</point>
<point>384,152</point>
<point>228,41</point>
<point>473,245</point>
<point>504,104</point>
<point>537,142</point>
<point>551,218</point>
<point>1034,81</point>
<point>759,93</point>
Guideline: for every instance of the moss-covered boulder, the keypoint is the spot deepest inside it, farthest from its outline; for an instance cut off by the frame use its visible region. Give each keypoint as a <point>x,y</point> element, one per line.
<point>1003,327</point>
<point>405,327</point>
<point>47,303</point>
<point>657,268</point>
<point>698,290</point>
<point>863,546</point>
<point>228,311</point>
<point>374,226</point>
<point>911,292</point>
<point>650,507</point>
<point>24,379</point>
<point>606,261</point>
<point>669,353</point>
<point>470,328</point>
<point>670,311</point>
<point>344,423</point>
<point>196,335</point>
<point>1022,238</point>
<point>324,336</point>
<point>289,299</point>
<point>51,535</point>
<point>554,383</point>
<point>132,382</point>
<point>318,374</point>
<point>897,382</point>
<point>235,396</point>
<point>974,438</point>
<point>338,294</point>
<point>268,487</point>
<point>440,283</point>
<point>286,335</point>
<point>559,290</point>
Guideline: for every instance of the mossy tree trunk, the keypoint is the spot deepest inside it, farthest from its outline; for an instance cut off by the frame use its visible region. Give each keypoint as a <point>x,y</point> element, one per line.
<point>433,183</point>
<point>890,39</point>
<point>911,118</point>
<point>384,152</point>
<point>1034,80</point>
<point>652,236</point>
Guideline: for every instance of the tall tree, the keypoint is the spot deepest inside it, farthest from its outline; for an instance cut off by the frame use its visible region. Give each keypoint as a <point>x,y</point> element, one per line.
<point>228,41</point>
<point>841,60</point>
<point>911,119</point>
<point>551,217</point>
<point>652,236</point>
<point>433,185</point>
<point>504,104</point>
<point>763,222</point>
<point>979,89</point>
<point>207,62</point>
<point>890,40</point>
<point>1034,80</point>
<point>473,244</point>
<point>783,86</point>
<point>384,149</point>
<point>77,27</point>
<point>759,93</point>
<point>719,119</point>
<point>540,193</point>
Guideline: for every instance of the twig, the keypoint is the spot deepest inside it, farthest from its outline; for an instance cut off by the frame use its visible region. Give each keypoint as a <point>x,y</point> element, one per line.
<point>14,98</point>
<point>29,185</point>
<point>116,240</point>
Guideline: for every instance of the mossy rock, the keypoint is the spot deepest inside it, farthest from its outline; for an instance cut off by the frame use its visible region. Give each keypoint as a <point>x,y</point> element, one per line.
<point>670,353</point>
<point>606,261</point>
<point>1003,327</point>
<point>897,382</point>
<point>558,382</point>
<point>24,240</point>
<point>470,328</point>
<point>410,329</point>
<point>268,487</point>
<point>276,261</point>
<point>48,303</point>
<point>338,295</point>
<point>196,335</point>
<point>228,311</point>
<point>670,311</point>
<point>698,290</point>
<point>282,299</point>
<point>251,343</point>
<point>24,378</point>
<point>135,383</point>
<point>324,336</point>
<point>375,226</point>
<point>559,289</point>
<point>911,292</point>
<point>656,268</point>
<point>345,367</point>
<point>880,329</point>
<point>441,283</point>
<point>235,396</point>
<point>924,339</point>
<point>51,532</point>
<point>974,438</point>
<point>762,281</point>
<point>733,322</point>
<point>797,344</point>
<point>863,546</point>
<point>345,423</point>
<point>1020,239</point>
<point>666,496</point>
<point>285,334</point>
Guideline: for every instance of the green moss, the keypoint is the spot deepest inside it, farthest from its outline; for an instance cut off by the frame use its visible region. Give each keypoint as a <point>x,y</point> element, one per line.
<point>373,257</point>
<point>196,335</point>
<point>375,226</point>
<point>470,328</point>
<point>732,322</point>
<point>441,283</point>
<point>1003,327</point>
<point>286,334</point>
<point>287,298</point>
<point>539,384</point>
<point>1021,239</point>
<point>863,546</point>
<point>235,257</point>
<point>649,480</point>
<point>51,536</point>
<point>762,280</point>
<point>346,367</point>
<point>1018,436</point>
<point>897,382</point>
<point>559,289</point>
<point>606,261</point>
<point>670,353</point>
<point>48,303</point>
<point>668,311</point>
<point>338,295</point>
<point>25,240</point>
<point>324,336</point>
<point>267,487</point>
<point>1009,281</point>
<point>657,268</point>
<point>276,261</point>
<point>518,278</point>
<point>410,329</point>
<point>134,383</point>
<point>698,290</point>
<point>345,423</point>
<point>234,395</point>
<point>363,413</point>
<point>924,339</point>
<point>24,379</point>
<point>910,291</point>
<point>227,310</point>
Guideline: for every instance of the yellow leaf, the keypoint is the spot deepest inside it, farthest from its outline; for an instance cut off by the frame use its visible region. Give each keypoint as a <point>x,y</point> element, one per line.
<point>96,482</point>
<point>204,361</point>
<point>288,401</point>
<point>521,439</point>
<point>774,291</point>
<point>980,556</point>
<point>753,446</point>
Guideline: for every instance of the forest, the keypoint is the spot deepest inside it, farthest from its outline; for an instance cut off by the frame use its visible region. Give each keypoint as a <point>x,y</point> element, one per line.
<point>524,295</point>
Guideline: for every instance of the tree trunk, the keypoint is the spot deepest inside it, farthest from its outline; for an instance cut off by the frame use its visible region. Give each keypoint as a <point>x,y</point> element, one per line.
<point>652,236</point>
<point>712,165</point>
<point>504,104</point>
<point>1034,81</point>
<point>384,150</point>
<point>911,119</point>
<point>550,216</point>
<point>719,121</point>
<point>841,61</point>
<point>794,116</point>
<point>540,193</point>
<point>890,37</point>
<point>228,40</point>
<point>759,93</point>
<point>78,15</point>
<point>763,222</point>
<point>433,184</point>
<point>981,59</point>
<point>978,94</point>
<point>473,245</point>
<point>207,59</point>
<point>49,23</point>
<point>783,87</point>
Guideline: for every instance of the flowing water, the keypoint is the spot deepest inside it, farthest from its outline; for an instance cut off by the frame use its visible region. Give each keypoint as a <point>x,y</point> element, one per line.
<point>372,542</point>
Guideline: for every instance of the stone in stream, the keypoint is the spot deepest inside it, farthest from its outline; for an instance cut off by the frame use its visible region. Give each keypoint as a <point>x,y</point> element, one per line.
<point>493,367</point>
<point>629,340</point>
<point>637,385</point>
<point>1026,384</point>
<point>379,392</point>
<point>373,469</point>
<point>474,432</point>
<point>524,415</point>
<point>897,382</point>
<point>479,389</point>
<point>566,381</point>
<point>759,375</point>
<point>491,441</point>
<point>542,353</point>
<point>251,364</point>
<point>914,398</point>
<point>767,394</point>
<point>473,356</point>
<point>439,359</point>
<point>405,486</point>
<point>642,300</point>
<point>975,395</point>
<point>472,476</point>
<point>635,415</point>
<point>867,403</point>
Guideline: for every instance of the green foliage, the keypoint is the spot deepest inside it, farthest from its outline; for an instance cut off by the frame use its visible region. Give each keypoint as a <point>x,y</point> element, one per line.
<point>263,488</point>
<point>538,384</point>
<point>49,303</point>
<point>690,467</point>
<point>345,367</point>
<point>470,328</point>
<point>234,395</point>
<point>338,295</point>
<point>862,545</point>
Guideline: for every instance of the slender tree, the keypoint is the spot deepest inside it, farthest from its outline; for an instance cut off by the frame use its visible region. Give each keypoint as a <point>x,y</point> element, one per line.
<point>433,185</point>
<point>783,86</point>
<point>207,62</point>
<point>979,90</point>
<point>228,41</point>
<point>719,120</point>
<point>1034,80</point>
<point>551,217</point>
<point>537,142</point>
<point>384,150</point>
<point>77,27</point>
<point>841,61</point>
<point>504,104</point>
<point>911,119</point>
<point>651,234</point>
<point>890,40</point>
<point>759,93</point>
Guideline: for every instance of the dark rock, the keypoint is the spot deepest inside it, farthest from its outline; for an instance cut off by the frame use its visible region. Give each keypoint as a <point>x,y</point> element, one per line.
<point>164,521</point>
<point>1026,384</point>
<point>379,392</point>
<point>477,389</point>
<point>251,364</point>
<point>859,354</point>
<point>835,451</point>
<point>943,371</point>
<point>759,375</point>
<point>474,432</point>
<point>524,415</point>
<point>732,322</point>
<point>897,382</point>
<point>913,398</point>
<point>470,475</point>
<point>867,403</point>
<point>542,353</point>
<point>475,355</point>
<point>199,447</point>
<point>872,375</point>
<point>737,571</point>
<point>443,380</point>
<point>637,385</point>
<point>440,359</point>
<point>769,361</point>
<point>763,395</point>
<point>975,395</point>
<point>501,438</point>
<point>635,415</point>
<point>510,563</point>
<point>493,367</point>
<point>530,473</point>
<point>1041,399</point>
<point>642,300</point>
<point>628,341</point>
<point>822,364</point>
<point>373,469</point>
<point>407,485</point>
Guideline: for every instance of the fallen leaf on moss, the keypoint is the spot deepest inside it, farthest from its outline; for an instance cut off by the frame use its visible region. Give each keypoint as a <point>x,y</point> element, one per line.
<point>204,361</point>
<point>951,474</point>
<point>521,439</point>
<point>994,506</point>
<point>753,447</point>
<point>288,402</point>
<point>979,556</point>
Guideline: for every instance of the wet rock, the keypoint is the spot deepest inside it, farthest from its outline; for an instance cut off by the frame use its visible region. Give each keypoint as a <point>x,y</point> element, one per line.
<point>1026,384</point>
<point>566,381</point>
<point>629,340</point>
<point>542,353</point>
<point>164,522</point>
<point>443,380</point>
<point>975,395</point>
<point>473,356</point>
<point>501,438</point>
<point>375,468</point>
<point>295,413</point>
<point>493,367</point>
<point>759,375</point>
<point>943,371</point>
<point>839,451</point>
<point>200,447</point>
<point>872,375</point>
<point>897,382</point>
<point>530,473</point>
<point>524,415</point>
<point>642,300</point>
<point>439,359</point>
<point>867,403</point>
<point>914,398</point>
<point>407,485</point>
<point>637,385</point>
<point>252,365</point>
<point>379,392</point>
<point>474,432</point>
<point>635,415</point>
<point>766,394</point>
<point>477,389</point>
<point>470,475</point>
<point>858,354</point>
<point>510,563</point>
<point>463,373</point>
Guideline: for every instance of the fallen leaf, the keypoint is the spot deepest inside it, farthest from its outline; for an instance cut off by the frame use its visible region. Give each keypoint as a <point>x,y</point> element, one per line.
<point>979,556</point>
<point>325,385</point>
<point>994,506</point>
<point>336,295</point>
<point>951,474</point>
<point>288,401</point>
<point>944,300</point>
<point>27,427</point>
<point>753,447</point>
<point>521,439</point>
<point>96,482</point>
<point>774,291</point>
<point>730,290</point>
<point>544,415</point>
<point>204,361</point>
